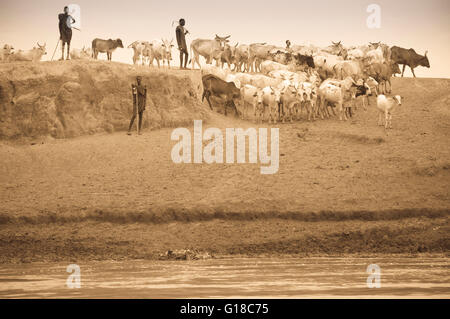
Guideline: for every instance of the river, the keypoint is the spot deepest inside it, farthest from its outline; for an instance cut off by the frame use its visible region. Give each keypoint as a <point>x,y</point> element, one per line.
<point>400,277</point>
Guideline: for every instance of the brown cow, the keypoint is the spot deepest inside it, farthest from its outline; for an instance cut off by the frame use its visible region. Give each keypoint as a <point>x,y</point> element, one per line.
<point>382,73</point>
<point>409,58</point>
<point>212,85</point>
<point>108,46</point>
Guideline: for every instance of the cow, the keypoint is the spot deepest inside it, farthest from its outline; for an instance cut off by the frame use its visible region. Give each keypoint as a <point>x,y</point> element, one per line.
<point>233,78</point>
<point>384,47</point>
<point>335,92</point>
<point>261,81</point>
<point>5,52</point>
<point>138,50</point>
<point>207,48</point>
<point>304,60</point>
<point>213,86</point>
<point>251,95</point>
<point>268,66</point>
<point>83,54</point>
<point>309,97</point>
<point>375,56</point>
<point>258,52</point>
<point>355,69</point>
<point>105,46</point>
<point>215,70</point>
<point>337,49</point>
<point>271,101</point>
<point>241,57</point>
<point>355,54</point>
<point>228,55</point>
<point>244,78</point>
<point>385,106</point>
<point>159,50</point>
<point>409,58</point>
<point>327,62</point>
<point>295,77</point>
<point>289,99</point>
<point>382,73</point>
<point>280,56</point>
<point>33,55</point>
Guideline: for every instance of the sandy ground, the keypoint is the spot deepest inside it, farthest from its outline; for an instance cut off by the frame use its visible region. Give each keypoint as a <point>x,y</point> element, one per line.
<point>118,196</point>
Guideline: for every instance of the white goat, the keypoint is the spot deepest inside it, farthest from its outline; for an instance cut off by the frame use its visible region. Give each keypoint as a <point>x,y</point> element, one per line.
<point>386,106</point>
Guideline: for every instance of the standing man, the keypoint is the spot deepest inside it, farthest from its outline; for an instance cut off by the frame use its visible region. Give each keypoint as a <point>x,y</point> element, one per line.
<point>139,100</point>
<point>65,31</point>
<point>181,39</point>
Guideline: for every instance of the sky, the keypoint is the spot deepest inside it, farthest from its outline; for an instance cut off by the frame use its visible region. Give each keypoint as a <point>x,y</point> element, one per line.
<point>419,24</point>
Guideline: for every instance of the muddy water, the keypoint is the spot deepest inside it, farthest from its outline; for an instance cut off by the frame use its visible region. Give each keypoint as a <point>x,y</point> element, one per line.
<point>232,277</point>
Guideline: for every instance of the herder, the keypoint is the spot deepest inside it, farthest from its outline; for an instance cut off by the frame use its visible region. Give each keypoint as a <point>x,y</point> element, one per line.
<point>65,31</point>
<point>181,40</point>
<point>139,92</point>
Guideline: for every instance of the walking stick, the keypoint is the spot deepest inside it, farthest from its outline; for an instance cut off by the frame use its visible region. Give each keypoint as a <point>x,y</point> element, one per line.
<point>134,91</point>
<point>57,44</point>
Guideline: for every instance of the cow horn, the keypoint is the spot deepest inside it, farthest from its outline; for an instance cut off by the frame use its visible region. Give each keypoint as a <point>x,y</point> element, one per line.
<point>426,52</point>
<point>236,45</point>
<point>227,36</point>
<point>38,44</point>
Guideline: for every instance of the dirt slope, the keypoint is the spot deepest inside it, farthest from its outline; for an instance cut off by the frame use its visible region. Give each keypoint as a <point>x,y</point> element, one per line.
<point>342,187</point>
<point>74,98</point>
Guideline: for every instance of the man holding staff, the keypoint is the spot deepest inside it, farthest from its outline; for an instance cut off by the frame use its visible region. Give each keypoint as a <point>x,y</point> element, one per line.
<point>139,92</point>
<point>65,31</point>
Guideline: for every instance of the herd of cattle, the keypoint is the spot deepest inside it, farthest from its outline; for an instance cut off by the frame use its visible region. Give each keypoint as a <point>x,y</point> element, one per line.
<point>278,81</point>
<point>282,82</point>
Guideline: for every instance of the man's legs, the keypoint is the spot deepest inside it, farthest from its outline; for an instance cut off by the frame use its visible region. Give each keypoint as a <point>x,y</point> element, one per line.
<point>181,59</point>
<point>140,121</point>
<point>68,50</point>
<point>62,50</point>
<point>186,55</point>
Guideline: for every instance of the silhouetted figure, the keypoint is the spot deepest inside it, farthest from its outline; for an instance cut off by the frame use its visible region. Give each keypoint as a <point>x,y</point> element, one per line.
<point>65,31</point>
<point>139,100</point>
<point>181,40</point>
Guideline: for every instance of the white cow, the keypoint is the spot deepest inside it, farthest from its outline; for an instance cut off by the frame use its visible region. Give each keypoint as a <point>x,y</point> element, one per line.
<point>233,78</point>
<point>139,48</point>
<point>262,81</point>
<point>386,106</point>
<point>83,54</point>
<point>309,92</point>
<point>159,50</point>
<point>258,52</point>
<point>207,48</point>
<point>244,78</point>
<point>241,57</point>
<point>375,56</point>
<point>269,66</point>
<point>355,54</point>
<point>253,96</point>
<point>291,98</point>
<point>271,101</point>
<point>33,55</point>
<point>335,92</point>
<point>215,70</point>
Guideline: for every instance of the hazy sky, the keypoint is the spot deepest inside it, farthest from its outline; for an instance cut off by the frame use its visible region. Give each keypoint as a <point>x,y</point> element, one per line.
<point>422,25</point>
